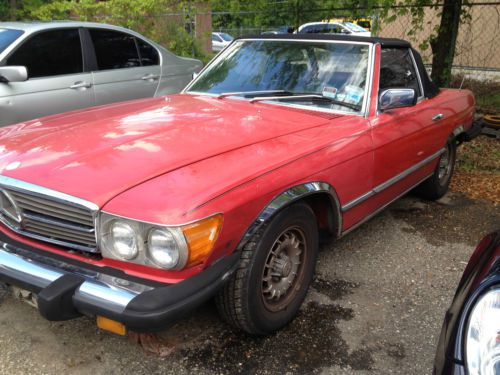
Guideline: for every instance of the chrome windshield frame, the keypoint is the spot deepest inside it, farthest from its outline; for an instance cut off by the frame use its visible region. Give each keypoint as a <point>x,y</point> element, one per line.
<point>367,89</point>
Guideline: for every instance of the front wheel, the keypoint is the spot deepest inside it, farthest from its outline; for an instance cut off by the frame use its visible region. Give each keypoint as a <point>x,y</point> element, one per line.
<point>437,185</point>
<point>275,271</point>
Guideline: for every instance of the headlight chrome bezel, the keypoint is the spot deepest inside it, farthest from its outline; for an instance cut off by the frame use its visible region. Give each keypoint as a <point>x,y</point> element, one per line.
<point>142,230</point>
<point>186,237</point>
<point>480,306</point>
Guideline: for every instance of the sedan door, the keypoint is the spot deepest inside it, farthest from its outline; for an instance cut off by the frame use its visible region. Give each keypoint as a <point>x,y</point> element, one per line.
<point>56,78</point>
<point>126,67</point>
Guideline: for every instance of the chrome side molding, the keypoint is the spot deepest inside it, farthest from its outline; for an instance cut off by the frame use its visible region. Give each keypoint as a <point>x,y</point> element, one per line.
<point>391,181</point>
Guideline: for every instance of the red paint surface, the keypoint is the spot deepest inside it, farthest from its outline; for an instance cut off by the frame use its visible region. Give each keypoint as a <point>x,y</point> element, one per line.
<point>179,158</point>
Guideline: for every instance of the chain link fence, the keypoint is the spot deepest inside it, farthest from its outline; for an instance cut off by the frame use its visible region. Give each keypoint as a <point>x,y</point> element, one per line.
<point>477,46</point>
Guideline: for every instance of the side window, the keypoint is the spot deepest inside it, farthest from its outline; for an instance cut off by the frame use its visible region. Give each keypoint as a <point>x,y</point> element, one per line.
<point>149,54</point>
<point>397,70</point>
<point>334,29</point>
<point>114,49</point>
<point>50,53</point>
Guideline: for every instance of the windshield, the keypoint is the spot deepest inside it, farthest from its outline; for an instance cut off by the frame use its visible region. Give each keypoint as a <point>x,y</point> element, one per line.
<point>7,36</point>
<point>354,27</point>
<point>226,37</point>
<point>333,70</point>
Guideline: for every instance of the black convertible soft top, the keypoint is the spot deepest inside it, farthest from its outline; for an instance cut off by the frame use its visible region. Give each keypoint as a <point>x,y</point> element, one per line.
<point>430,89</point>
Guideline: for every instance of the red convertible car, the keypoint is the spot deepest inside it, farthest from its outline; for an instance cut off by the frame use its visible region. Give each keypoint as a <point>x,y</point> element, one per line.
<point>135,213</point>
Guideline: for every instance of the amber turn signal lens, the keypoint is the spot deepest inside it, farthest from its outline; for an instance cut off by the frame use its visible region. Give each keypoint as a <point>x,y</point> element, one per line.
<point>111,325</point>
<point>201,237</point>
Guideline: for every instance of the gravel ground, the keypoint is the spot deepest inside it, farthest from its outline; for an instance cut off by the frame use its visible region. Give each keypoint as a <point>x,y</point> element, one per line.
<point>376,307</point>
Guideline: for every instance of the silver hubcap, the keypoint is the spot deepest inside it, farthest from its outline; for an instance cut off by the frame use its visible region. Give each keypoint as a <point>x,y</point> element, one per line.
<point>282,269</point>
<point>445,165</point>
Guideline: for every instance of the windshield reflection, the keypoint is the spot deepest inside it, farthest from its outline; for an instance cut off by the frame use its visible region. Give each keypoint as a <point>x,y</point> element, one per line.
<point>334,70</point>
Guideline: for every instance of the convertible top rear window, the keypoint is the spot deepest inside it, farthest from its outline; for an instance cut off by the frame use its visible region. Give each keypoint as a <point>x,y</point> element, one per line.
<point>8,36</point>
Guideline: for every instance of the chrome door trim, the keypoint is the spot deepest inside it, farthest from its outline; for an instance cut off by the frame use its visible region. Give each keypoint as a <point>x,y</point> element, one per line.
<point>366,218</point>
<point>391,181</point>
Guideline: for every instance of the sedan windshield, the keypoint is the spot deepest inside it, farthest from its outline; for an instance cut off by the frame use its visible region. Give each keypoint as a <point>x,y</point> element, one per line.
<point>7,37</point>
<point>354,27</point>
<point>226,37</point>
<point>275,68</point>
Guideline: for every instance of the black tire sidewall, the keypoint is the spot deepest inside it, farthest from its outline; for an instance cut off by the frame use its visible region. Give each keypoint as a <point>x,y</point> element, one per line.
<point>263,320</point>
<point>441,189</point>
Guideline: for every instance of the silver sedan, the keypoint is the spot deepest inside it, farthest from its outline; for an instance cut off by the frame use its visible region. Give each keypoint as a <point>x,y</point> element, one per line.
<point>54,67</point>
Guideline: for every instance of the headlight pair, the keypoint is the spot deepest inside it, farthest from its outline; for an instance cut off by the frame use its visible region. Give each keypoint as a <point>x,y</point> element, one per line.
<point>483,335</point>
<point>156,245</point>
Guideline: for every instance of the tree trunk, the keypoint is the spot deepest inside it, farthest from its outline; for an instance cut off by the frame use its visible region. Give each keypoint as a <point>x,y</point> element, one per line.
<point>443,45</point>
<point>13,9</point>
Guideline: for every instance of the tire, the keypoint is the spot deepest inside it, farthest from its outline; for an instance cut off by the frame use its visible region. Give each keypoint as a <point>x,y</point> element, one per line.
<point>437,185</point>
<point>275,271</point>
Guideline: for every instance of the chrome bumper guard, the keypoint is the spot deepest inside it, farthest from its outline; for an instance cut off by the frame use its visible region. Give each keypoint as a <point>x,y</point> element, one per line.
<point>37,273</point>
<point>66,289</point>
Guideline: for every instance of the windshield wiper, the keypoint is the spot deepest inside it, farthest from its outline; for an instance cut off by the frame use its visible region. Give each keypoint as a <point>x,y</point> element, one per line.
<point>313,97</point>
<point>254,93</point>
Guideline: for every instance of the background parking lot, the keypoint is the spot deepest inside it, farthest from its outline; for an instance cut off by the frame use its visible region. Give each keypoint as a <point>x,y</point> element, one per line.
<point>376,307</point>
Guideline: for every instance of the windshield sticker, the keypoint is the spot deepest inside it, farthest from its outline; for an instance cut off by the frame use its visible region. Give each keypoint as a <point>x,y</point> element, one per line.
<point>329,92</point>
<point>353,94</point>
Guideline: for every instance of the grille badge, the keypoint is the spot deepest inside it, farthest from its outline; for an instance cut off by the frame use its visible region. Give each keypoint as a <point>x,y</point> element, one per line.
<point>9,209</point>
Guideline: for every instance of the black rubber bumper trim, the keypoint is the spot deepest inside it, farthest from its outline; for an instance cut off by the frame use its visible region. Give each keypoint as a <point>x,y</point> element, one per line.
<point>474,131</point>
<point>158,308</point>
<point>55,302</point>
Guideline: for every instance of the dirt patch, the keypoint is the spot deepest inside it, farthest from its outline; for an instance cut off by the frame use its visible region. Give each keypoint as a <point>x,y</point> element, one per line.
<point>310,342</point>
<point>453,219</point>
<point>487,93</point>
<point>334,289</point>
<point>477,171</point>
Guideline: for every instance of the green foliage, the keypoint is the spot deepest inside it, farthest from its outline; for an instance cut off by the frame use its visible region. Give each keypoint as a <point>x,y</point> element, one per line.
<point>292,13</point>
<point>160,20</point>
<point>4,10</point>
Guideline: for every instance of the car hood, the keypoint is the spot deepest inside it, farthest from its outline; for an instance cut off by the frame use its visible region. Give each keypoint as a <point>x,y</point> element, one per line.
<point>98,153</point>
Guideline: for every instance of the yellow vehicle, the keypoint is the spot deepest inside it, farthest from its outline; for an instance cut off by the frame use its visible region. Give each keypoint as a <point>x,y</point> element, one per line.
<point>365,23</point>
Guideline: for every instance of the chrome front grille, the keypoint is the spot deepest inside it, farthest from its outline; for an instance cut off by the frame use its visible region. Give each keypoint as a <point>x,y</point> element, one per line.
<point>48,215</point>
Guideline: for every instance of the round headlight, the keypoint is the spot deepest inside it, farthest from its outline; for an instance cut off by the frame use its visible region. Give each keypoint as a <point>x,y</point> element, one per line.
<point>483,336</point>
<point>123,240</point>
<point>163,248</point>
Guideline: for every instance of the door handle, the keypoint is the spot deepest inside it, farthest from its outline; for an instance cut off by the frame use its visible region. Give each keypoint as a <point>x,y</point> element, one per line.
<point>150,77</point>
<point>80,85</point>
<point>438,117</point>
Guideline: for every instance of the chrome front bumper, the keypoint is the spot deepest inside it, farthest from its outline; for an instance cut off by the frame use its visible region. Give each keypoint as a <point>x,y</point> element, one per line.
<point>36,273</point>
<point>66,289</point>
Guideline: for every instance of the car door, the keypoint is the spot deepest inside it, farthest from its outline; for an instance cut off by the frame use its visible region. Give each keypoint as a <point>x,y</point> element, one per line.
<point>400,144</point>
<point>56,81</point>
<point>126,66</point>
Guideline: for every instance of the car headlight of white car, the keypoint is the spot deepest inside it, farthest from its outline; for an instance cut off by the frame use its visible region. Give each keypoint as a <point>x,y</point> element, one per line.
<point>483,335</point>
<point>154,245</point>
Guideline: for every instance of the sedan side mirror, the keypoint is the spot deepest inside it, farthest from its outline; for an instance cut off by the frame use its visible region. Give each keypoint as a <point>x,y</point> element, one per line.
<point>397,98</point>
<point>13,74</point>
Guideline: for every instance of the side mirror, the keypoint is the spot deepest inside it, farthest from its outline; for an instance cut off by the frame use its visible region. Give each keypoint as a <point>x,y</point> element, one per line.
<point>195,75</point>
<point>345,31</point>
<point>13,74</point>
<point>397,98</point>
